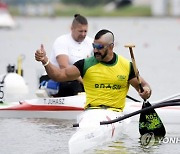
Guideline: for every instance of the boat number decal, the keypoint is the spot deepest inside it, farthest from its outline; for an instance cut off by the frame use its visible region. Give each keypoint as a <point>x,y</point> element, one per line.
<point>1,89</point>
<point>152,122</point>
<point>1,92</point>
<point>54,101</point>
<point>89,136</point>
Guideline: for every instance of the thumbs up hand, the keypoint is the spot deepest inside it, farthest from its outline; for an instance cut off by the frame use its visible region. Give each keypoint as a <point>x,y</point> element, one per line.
<point>40,54</point>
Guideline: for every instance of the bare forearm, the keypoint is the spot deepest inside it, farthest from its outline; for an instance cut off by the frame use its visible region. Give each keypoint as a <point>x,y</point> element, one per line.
<point>146,87</point>
<point>54,72</point>
<point>58,74</point>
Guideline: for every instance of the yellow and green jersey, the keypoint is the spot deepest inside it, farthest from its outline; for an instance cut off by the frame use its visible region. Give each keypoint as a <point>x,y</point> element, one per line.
<point>106,84</point>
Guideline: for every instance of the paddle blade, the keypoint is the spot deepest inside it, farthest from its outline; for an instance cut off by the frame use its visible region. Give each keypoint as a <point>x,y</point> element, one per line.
<point>150,122</point>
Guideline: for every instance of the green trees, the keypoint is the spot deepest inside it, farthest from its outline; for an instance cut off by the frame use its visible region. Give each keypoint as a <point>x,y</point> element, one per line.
<point>87,2</point>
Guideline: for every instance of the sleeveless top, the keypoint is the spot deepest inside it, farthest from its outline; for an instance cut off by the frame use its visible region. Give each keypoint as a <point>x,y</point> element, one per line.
<point>106,84</point>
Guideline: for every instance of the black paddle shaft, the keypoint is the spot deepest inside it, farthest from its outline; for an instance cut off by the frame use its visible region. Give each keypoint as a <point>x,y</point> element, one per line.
<point>175,102</point>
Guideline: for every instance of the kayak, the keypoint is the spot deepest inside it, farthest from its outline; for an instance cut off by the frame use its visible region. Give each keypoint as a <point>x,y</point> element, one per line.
<point>168,115</point>
<point>70,107</point>
<point>91,134</point>
<point>13,90</point>
<point>58,108</point>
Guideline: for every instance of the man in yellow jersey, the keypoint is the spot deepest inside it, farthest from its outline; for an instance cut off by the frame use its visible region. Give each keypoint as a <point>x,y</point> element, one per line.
<point>106,75</point>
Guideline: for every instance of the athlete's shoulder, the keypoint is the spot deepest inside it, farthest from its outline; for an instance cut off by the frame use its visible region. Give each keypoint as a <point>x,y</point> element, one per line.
<point>123,59</point>
<point>90,61</point>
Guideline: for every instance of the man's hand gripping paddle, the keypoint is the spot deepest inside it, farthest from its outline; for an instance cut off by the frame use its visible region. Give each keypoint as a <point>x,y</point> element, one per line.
<point>149,121</point>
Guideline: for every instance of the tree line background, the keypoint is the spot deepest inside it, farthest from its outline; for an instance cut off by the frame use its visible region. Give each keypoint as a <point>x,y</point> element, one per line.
<point>87,2</point>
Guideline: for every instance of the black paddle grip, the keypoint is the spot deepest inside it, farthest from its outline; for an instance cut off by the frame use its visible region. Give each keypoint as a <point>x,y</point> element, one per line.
<point>76,125</point>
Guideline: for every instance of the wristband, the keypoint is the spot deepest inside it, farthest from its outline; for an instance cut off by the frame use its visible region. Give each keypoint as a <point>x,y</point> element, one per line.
<point>46,63</point>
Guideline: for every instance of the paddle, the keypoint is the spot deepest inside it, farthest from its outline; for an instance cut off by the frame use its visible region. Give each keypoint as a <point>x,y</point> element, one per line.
<point>175,102</point>
<point>175,96</point>
<point>149,121</point>
<point>135,100</point>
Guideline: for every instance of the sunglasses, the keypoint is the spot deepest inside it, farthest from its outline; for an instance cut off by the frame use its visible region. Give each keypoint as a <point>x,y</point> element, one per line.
<point>99,46</point>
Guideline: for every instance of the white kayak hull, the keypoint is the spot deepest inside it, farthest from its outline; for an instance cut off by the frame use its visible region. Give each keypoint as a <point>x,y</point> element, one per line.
<point>91,134</point>
<point>59,108</point>
<point>70,107</point>
<point>168,115</point>
<point>67,115</point>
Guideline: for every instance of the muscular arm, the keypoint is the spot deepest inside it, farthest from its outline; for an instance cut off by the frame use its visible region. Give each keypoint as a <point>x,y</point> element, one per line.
<point>64,74</point>
<point>63,61</point>
<point>147,89</point>
<point>134,82</point>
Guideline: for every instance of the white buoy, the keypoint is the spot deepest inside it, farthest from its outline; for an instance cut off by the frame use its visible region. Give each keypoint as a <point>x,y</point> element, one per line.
<point>15,87</point>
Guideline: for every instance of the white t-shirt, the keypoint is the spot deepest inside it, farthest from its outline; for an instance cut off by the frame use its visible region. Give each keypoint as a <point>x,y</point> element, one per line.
<point>65,44</point>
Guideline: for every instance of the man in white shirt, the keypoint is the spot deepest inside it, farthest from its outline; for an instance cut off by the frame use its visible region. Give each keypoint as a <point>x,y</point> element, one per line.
<point>67,49</point>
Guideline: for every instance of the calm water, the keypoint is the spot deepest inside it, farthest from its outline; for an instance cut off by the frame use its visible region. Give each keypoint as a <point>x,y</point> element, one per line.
<point>50,136</point>
<point>157,56</point>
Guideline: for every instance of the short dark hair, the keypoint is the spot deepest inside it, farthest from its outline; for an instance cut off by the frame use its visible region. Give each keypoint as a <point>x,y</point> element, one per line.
<point>79,19</point>
<point>102,32</point>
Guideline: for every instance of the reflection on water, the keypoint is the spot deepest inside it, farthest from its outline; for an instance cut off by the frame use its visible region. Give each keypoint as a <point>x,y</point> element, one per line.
<point>130,143</point>
<point>114,148</point>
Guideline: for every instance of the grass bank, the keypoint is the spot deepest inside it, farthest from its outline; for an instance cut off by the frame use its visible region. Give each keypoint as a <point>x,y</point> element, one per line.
<point>101,11</point>
<point>98,11</point>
